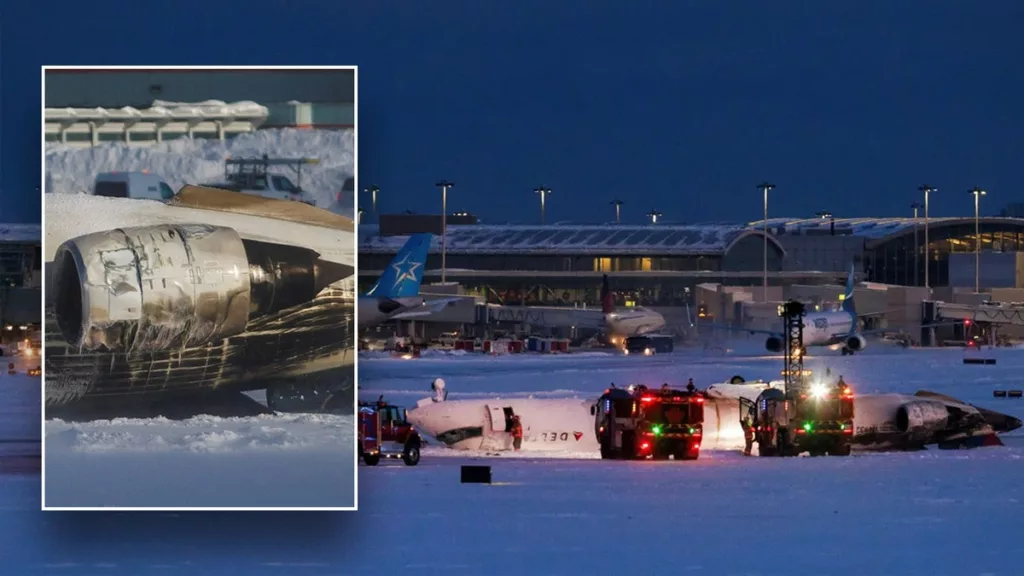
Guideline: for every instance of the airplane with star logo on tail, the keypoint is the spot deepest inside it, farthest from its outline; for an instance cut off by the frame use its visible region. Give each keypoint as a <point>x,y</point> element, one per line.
<point>396,295</point>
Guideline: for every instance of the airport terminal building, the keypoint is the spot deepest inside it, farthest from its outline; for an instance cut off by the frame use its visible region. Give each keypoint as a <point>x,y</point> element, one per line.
<point>661,264</point>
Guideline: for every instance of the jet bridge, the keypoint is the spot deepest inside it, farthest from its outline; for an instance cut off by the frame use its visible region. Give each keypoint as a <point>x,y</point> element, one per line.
<point>541,316</point>
<point>994,313</point>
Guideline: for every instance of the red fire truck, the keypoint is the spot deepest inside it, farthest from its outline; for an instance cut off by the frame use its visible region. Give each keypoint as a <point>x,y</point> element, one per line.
<point>384,432</point>
<point>645,423</point>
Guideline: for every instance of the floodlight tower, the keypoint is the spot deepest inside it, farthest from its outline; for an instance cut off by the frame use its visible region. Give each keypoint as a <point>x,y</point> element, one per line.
<point>977,193</point>
<point>444,185</point>
<point>543,191</point>
<point>765,186</point>
<point>927,263</point>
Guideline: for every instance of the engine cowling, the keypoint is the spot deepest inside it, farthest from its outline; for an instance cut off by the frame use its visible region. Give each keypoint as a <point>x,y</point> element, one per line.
<point>160,287</point>
<point>773,344</point>
<point>856,342</point>
<point>920,418</point>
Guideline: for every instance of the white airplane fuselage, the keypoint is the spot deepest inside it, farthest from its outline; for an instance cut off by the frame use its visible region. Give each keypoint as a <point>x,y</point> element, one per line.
<point>827,328</point>
<point>882,421</point>
<point>621,324</point>
<point>549,425</point>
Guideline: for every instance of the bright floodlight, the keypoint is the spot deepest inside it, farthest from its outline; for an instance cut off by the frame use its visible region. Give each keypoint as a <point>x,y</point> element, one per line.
<point>818,390</point>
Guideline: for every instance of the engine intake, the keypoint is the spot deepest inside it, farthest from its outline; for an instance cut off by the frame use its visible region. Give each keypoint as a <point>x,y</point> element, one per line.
<point>160,287</point>
<point>773,344</point>
<point>922,417</point>
<point>856,342</point>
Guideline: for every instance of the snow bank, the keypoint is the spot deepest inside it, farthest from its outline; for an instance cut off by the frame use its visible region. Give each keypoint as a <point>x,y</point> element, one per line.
<point>71,170</point>
<point>262,461</point>
<point>165,110</point>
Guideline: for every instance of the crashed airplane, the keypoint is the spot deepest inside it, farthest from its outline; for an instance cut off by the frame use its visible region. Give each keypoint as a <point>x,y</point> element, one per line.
<point>883,422</point>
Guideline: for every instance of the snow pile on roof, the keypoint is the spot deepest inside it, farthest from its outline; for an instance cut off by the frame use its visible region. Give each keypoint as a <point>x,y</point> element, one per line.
<point>165,110</point>
<point>572,239</point>
<point>183,161</point>
<point>873,228</point>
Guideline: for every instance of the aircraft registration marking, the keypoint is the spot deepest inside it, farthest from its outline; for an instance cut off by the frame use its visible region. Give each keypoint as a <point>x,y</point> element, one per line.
<point>560,436</point>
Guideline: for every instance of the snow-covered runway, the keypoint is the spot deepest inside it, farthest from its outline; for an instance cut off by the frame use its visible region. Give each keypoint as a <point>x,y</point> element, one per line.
<point>926,513</point>
<point>930,513</point>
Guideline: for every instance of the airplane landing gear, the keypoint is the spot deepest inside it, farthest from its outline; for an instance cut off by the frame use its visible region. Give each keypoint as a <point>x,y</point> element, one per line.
<point>847,351</point>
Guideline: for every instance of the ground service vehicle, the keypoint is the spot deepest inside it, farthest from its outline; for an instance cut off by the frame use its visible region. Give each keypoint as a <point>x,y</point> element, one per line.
<point>385,432</point>
<point>646,423</point>
<point>810,415</point>
<point>252,176</point>
<point>649,344</point>
<point>141,185</point>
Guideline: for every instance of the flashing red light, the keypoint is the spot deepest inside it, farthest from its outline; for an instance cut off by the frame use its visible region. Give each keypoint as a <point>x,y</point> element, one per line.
<point>647,399</point>
<point>700,400</point>
<point>645,446</point>
<point>696,445</point>
<point>848,430</point>
<point>967,321</point>
<point>801,431</point>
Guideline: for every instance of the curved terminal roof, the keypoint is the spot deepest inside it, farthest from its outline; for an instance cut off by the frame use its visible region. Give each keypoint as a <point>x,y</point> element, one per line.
<point>656,239</point>
<point>874,228</point>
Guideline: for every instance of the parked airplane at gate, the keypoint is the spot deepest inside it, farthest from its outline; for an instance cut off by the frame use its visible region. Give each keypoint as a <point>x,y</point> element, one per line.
<point>623,323</point>
<point>883,422</point>
<point>823,328</point>
<point>396,295</point>
<point>195,300</point>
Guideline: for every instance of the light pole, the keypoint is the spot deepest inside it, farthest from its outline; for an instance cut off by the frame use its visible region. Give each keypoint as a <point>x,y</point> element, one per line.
<point>917,248</point>
<point>927,263</point>
<point>444,185</point>
<point>654,216</point>
<point>617,203</point>
<point>543,194</point>
<point>977,193</point>
<point>359,217</point>
<point>766,187</point>
<point>373,195</point>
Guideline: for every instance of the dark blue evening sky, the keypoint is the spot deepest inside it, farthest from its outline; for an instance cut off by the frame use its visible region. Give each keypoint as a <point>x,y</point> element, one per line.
<point>679,106</point>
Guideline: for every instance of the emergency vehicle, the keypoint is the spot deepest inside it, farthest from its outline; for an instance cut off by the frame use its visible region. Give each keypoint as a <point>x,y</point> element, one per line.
<point>817,418</point>
<point>641,423</point>
<point>385,432</point>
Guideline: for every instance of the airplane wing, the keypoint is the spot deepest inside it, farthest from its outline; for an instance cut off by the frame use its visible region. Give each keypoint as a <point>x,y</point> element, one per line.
<point>749,330</point>
<point>252,217</point>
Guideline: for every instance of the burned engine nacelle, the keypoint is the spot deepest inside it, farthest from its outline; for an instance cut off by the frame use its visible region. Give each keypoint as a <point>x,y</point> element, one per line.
<point>921,418</point>
<point>774,344</point>
<point>856,343</point>
<point>161,287</point>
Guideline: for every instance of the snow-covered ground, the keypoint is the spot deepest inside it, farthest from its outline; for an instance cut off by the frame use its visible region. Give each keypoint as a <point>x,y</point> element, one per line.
<point>927,513</point>
<point>261,461</point>
<point>71,170</point>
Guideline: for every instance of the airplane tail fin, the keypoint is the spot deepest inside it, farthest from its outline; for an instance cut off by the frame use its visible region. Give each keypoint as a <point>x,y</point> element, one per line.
<point>607,304</point>
<point>848,305</point>
<point>402,277</point>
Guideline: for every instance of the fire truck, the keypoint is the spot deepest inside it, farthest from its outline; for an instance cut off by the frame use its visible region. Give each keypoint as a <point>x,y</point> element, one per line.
<point>641,423</point>
<point>810,415</point>
<point>385,432</point>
